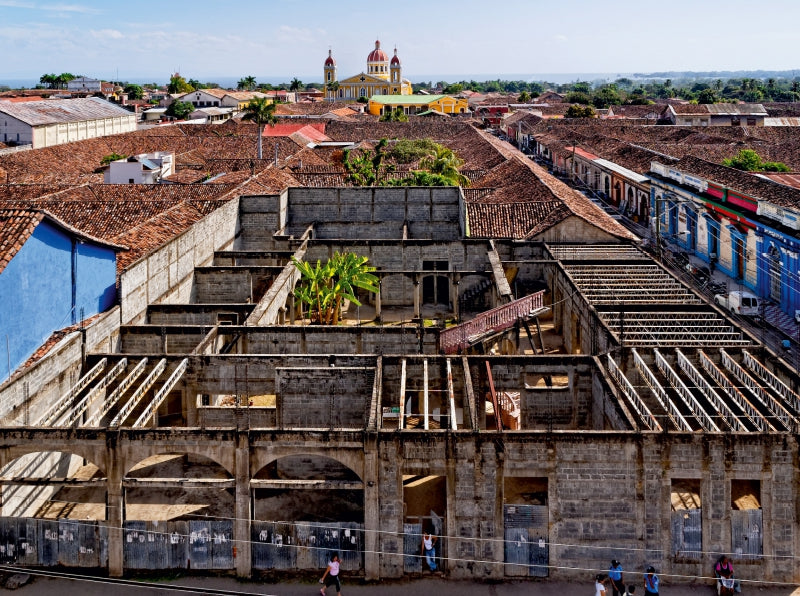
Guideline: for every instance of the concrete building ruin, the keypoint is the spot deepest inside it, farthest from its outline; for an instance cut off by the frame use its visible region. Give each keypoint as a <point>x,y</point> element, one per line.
<point>202,424</point>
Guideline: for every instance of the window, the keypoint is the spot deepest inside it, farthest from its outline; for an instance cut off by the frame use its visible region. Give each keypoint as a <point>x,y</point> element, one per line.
<point>751,122</point>
<point>130,180</point>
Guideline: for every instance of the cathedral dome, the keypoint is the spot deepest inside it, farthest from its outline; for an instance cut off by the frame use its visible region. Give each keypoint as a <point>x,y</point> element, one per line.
<point>377,55</point>
<point>395,59</point>
<point>329,61</point>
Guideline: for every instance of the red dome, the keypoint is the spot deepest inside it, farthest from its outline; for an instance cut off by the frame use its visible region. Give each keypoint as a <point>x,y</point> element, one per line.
<point>395,59</point>
<point>329,61</point>
<point>377,55</point>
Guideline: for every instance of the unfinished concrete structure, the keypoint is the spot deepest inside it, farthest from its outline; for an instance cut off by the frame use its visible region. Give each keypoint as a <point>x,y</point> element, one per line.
<point>654,432</point>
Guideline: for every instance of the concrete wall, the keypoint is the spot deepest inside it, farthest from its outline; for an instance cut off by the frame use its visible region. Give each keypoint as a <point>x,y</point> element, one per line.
<point>323,397</point>
<point>165,276</point>
<point>431,213</point>
<point>608,493</point>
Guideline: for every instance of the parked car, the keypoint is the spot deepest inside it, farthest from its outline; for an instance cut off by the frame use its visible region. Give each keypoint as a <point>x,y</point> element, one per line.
<point>739,302</point>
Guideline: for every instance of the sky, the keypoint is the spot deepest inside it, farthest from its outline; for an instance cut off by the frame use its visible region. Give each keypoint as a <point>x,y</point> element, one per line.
<point>281,39</point>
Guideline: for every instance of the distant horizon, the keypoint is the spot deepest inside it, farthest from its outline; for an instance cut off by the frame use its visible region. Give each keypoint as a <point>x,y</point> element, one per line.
<point>555,77</point>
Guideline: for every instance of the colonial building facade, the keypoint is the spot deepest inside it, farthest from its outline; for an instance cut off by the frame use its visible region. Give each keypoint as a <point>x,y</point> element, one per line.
<point>382,77</point>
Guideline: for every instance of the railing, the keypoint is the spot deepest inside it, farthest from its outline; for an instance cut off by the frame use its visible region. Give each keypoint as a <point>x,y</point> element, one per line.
<point>459,337</point>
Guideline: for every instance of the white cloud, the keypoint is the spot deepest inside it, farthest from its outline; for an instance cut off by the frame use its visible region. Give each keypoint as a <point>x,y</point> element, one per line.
<point>107,34</point>
<point>286,33</point>
<point>78,8</point>
<point>16,4</point>
<point>561,38</point>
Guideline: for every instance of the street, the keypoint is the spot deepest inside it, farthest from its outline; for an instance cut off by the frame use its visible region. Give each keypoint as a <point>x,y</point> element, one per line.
<point>45,586</point>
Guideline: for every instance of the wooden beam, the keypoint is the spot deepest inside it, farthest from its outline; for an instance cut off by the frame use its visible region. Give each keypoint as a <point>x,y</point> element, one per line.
<point>451,395</point>
<point>308,484</point>
<point>402,394</point>
<point>425,418</point>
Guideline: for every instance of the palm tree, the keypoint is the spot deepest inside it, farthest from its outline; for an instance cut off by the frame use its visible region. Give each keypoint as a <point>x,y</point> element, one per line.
<point>295,84</point>
<point>260,110</point>
<point>444,162</point>
<point>247,83</point>
<point>49,80</point>
<point>325,287</point>
<point>333,87</point>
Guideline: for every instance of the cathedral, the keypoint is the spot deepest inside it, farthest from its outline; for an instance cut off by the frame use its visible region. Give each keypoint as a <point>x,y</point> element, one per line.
<point>382,77</point>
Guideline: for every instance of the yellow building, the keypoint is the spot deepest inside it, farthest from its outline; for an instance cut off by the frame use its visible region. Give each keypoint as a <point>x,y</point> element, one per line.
<point>382,77</point>
<point>417,104</point>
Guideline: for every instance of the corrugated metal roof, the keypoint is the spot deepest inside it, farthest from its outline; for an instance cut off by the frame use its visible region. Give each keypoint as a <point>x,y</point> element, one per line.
<point>54,111</point>
<point>629,174</point>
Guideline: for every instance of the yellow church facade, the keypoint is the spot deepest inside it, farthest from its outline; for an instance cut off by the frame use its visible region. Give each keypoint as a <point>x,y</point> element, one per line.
<point>382,77</point>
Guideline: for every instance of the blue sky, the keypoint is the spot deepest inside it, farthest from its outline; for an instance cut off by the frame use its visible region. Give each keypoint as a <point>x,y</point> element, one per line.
<point>285,38</point>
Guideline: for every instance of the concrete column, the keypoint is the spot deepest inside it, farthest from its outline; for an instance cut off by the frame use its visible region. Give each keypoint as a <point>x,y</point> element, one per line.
<point>241,526</point>
<point>417,297</point>
<point>372,563</point>
<point>115,507</point>
<point>292,309</point>
<point>454,296</point>
<point>378,301</point>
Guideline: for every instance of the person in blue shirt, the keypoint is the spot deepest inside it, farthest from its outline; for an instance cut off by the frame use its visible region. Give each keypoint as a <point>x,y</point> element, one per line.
<point>615,575</point>
<point>651,581</point>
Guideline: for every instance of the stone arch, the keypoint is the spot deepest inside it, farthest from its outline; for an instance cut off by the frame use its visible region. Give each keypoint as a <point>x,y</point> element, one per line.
<point>91,453</point>
<point>135,454</point>
<point>260,458</point>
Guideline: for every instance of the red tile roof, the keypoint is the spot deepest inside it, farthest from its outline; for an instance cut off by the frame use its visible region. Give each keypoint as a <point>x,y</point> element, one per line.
<point>16,226</point>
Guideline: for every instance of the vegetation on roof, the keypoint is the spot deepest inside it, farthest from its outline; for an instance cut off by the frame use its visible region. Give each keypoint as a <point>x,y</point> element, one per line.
<point>750,161</point>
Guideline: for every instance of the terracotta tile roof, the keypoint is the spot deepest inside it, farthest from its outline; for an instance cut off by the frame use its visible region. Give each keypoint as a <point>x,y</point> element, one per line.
<point>754,186</point>
<point>785,178</point>
<point>513,220</point>
<point>53,341</point>
<point>187,177</point>
<point>721,109</point>
<point>16,226</point>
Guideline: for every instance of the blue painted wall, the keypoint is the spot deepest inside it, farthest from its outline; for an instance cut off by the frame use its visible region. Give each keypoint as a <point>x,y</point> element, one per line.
<point>44,287</point>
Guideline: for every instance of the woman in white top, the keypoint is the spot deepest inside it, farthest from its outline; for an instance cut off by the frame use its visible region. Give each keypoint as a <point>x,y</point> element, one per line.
<point>332,573</point>
<point>599,585</point>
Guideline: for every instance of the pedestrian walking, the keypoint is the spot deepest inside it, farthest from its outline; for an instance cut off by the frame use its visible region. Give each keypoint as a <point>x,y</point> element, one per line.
<point>331,576</point>
<point>615,578</point>
<point>651,581</point>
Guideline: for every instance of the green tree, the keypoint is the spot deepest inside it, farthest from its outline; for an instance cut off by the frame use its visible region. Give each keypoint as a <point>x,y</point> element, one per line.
<point>295,85</point>
<point>454,89</point>
<point>260,110</point>
<point>324,288</point>
<point>134,91</point>
<point>179,109</point>
<point>177,84</point>
<point>445,163</point>
<point>578,97</point>
<point>247,83</point>
<point>524,97</point>
<point>750,161</point>
<point>333,87</point>
<point>107,159</point>
<point>49,80</point>
<point>707,96</point>
<point>395,115</point>
<point>606,96</point>
<point>578,111</point>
